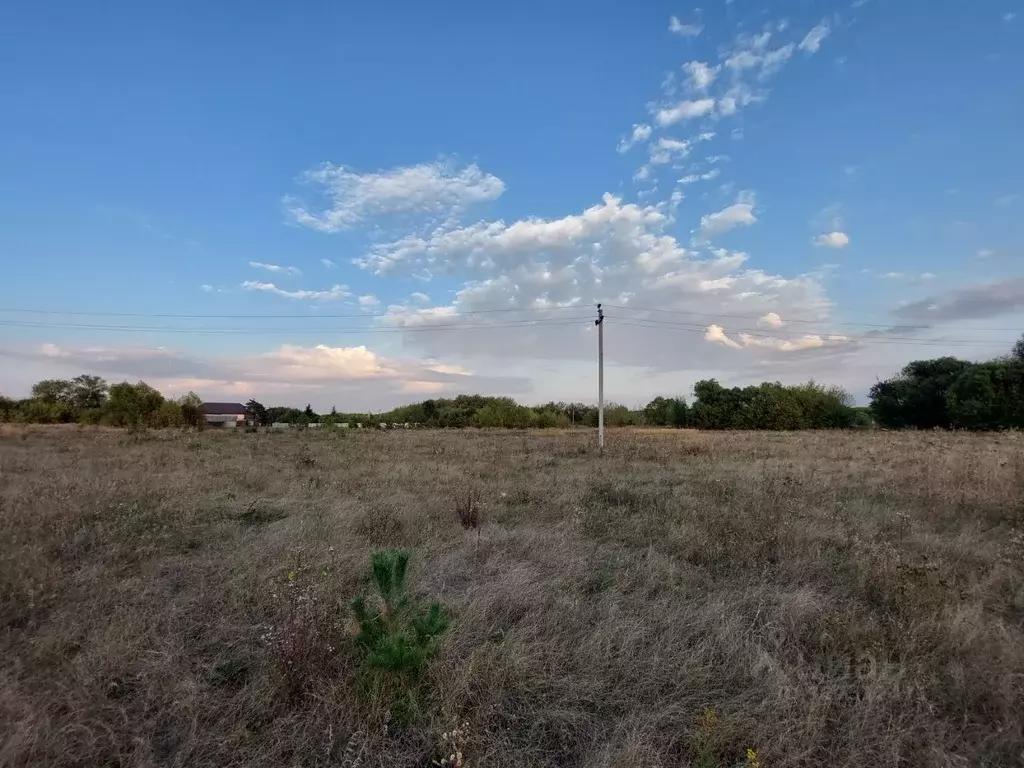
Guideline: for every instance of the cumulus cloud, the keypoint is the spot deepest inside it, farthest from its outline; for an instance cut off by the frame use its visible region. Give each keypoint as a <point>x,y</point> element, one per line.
<point>975,301</point>
<point>716,335</point>
<point>684,110</point>
<point>736,215</point>
<point>641,132</point>
<point>328,263</point>
<point>334,292</point>
<point>677,27</point>
<point>430,188</point>
<point>207,288</point>
<point>832,240</point>
<point>771,320</point>
<point>275,268</point>
<point>369,300</point>
<point>558,268</point>
<point>812,41</point>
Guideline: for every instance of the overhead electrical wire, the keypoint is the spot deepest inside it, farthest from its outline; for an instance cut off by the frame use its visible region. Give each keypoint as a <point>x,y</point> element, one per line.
<point>257,331</point>
<point>786,320</point>
<point>447,324</point>
<point>899,341</point>
<point>307,316</point>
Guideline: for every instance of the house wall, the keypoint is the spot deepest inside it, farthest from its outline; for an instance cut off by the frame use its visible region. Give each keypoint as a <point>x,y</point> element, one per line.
<point>224,420</point>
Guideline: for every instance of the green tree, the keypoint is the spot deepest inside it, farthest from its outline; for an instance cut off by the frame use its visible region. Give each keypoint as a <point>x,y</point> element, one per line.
<point>988,396</point>
<point>399,634</point>
<point>257,412</point>
<point>167,415</point>
<point>53,391</point>
<point>88,392</point>
<point>1017,351</point>
<point>192,410</point>
<point>917,396</point>
<point>132,405</point>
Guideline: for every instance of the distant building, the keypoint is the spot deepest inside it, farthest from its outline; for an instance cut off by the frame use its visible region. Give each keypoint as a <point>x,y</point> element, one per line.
<point>224,415</point>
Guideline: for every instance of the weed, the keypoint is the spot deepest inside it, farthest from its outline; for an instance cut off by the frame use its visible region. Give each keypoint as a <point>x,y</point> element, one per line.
<point>453,747</point>
<point>467,508</point>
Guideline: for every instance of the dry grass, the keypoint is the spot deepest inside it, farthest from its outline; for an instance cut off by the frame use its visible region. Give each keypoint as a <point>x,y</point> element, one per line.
<point>825,599</point>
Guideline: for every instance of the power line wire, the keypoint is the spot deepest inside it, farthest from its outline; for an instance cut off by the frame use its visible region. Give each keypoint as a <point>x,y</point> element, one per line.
<point>272,317</point>
<point>786,320</point>
<point>867,340</point>
<point>772,333</point>
<point>257,331</point>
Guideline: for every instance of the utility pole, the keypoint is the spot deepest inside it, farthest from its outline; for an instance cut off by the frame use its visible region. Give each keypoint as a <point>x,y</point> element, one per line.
<point>600,378</point>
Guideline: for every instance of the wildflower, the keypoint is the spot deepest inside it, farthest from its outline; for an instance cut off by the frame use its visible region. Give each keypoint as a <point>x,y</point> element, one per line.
<point>752,758</point>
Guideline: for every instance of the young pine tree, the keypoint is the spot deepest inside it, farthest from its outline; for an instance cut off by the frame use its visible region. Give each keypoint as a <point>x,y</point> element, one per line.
<point>400,634</point>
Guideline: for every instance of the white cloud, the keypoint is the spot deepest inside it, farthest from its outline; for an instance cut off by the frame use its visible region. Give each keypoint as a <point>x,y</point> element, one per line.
<point>741,60</point>
<point>699,75</point>
<point>369,300</point>
<point>737,215</point>
<point>716,335</point>
<point>615,252</point>
<point>695,177</point>
<point>666,150</point>
<point>335,292</point>
<point>677,27</point>
<point>832,240</point>
<point>207,288</point>
<point>771,320</point>
<point>275,268</point>
<point>808,341</point>
<point>685,110</point>
<point>430,188</point>
<point>419,298</point>
<point>640,133</point>
<point>985,253</point>
<point>767,63</point>
<point>812,41</point>
<point>1006,200</point>
<point>328,263</point>
<point>773,60</point>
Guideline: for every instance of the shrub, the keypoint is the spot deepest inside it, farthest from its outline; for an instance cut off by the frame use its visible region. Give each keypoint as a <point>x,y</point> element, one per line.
<point>400,634</point>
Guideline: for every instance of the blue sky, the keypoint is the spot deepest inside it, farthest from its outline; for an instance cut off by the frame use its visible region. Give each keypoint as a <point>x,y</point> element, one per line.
<point>759,191</point>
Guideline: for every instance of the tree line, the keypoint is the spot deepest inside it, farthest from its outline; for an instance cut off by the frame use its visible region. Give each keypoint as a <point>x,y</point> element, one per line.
<point>765,406</point>
<point>89,399</point>
<point>948,393</point>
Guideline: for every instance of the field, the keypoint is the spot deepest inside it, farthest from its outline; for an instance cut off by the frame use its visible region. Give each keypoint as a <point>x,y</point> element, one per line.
<point>847,599</point>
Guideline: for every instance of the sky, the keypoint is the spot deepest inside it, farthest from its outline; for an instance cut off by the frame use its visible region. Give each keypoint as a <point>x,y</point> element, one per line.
<point>362,205</point>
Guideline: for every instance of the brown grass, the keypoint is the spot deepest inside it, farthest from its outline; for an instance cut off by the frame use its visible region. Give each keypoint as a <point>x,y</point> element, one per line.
<point>826,599</point>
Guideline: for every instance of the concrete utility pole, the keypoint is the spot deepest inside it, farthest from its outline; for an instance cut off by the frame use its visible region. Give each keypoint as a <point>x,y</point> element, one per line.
<point>600,378</point>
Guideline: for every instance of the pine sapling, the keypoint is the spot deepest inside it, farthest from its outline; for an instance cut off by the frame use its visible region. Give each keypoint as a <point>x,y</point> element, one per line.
<point>400,634</point>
